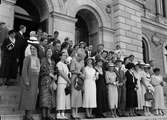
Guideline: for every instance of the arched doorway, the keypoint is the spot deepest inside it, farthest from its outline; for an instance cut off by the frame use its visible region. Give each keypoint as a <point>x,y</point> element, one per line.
<point>145,48</point>
<point>87,27</point>
<point>31,13</point>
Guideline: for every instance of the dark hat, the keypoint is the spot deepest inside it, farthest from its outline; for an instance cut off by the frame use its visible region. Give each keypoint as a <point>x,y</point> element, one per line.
<point>90,58</point>
<point>130,66</point>
<point>99,60</point>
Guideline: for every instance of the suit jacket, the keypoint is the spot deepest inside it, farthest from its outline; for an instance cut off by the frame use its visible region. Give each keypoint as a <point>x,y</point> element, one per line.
<point>87,54</point>
<point>21,45</point>
<point>120,75</point>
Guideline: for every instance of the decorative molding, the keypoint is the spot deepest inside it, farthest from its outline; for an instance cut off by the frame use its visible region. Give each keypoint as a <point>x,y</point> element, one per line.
<point>161,20</point>
<point>62,16</point>
<point>156,40</point>
<point>148,14</point>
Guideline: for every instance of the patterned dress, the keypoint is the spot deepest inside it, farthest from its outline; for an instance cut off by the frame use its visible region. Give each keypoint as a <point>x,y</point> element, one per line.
<point>46,93</point>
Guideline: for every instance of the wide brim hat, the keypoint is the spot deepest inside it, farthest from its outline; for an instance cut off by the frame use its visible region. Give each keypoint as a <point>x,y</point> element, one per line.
<point>147,66</point>
<point>142,63</point>
<point>90,58</point>
<point>111,65</point>
<point>33,40</point>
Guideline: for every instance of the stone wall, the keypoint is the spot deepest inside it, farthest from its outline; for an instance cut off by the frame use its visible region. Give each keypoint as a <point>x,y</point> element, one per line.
<point>127,19</point>
<point>7,12</point>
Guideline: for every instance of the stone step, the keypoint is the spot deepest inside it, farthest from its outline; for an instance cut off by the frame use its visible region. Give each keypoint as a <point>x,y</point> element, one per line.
<point>9,99</point>
<point>37,117</point>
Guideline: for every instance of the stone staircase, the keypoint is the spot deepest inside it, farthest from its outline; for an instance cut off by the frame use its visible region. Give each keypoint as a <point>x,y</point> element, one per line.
<point>9,104</point>
<point>9,100</point>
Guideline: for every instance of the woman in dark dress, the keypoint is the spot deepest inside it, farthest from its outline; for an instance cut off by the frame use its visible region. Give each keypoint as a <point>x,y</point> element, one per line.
<point>131,89</point>
<point>102,102</point>
<point>8,69</point>
<point>47,79</point>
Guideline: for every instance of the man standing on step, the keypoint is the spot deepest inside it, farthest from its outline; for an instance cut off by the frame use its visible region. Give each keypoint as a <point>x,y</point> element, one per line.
<point>121,87</point>
<point>21,44</point>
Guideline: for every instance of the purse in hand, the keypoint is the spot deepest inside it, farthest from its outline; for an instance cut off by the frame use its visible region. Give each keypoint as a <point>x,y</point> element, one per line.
<point>68,89</point>
<point>148,96</point>
<point>78,83</point>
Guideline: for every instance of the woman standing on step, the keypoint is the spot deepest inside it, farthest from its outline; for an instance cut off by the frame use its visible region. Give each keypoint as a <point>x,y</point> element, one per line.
<point>63,85</point>
<point>47,81</point>
<point>89,96</point>
<point>112,85</point>
<point>76,94</point>
<point>29,83</point>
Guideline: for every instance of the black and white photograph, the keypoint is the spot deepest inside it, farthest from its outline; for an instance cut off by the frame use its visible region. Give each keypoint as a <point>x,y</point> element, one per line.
<point>83,59</point>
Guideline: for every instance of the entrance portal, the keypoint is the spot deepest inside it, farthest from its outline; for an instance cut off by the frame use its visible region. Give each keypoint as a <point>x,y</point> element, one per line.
<point>31,14</point>
<point>87,27</point>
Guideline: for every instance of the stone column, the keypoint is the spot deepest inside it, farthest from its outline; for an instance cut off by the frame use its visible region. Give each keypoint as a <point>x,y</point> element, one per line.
<point>159,7</point>
<point>65,25</point>
<point>128,27</point>
<point>7,12</point>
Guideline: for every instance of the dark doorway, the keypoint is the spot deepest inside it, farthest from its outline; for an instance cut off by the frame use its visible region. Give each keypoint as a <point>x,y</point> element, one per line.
<point>87,27</point>
<point>82,33</point>
<point>27,13</point>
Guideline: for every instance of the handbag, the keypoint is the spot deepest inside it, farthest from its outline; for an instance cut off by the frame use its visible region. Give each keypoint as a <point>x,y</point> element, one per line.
<point>78,83</point>
<point>68,89</point>
<point>148,96</point>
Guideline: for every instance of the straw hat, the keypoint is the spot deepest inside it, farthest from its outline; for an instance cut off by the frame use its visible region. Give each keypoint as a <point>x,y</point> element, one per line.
<point>147,65</point>
<point>111,65</point>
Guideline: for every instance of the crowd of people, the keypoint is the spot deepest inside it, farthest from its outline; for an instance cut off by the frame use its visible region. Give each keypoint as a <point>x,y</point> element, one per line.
<point>68,77</point>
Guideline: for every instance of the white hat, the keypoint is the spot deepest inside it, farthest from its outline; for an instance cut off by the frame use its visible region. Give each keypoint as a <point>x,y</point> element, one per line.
<point>147,65</point>
<point>33,40</point>
<point>111,65</point>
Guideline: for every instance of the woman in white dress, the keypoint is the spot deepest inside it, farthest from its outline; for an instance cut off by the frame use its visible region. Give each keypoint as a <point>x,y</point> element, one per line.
<point>140,97</point>
<point>158,83</point>
<point>146,86</point>
<point>112,89</point>
<point>63,100</point>
<point>89,96</point>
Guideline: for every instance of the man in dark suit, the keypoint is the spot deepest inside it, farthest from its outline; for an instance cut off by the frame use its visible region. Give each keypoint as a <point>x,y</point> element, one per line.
<point>121,87</point>
<point>56,52</point>
<point>89,52</point>
<point>21,44</point>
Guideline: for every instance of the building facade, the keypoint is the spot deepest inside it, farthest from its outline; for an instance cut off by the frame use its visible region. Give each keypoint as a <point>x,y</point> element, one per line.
<point>138,26</point>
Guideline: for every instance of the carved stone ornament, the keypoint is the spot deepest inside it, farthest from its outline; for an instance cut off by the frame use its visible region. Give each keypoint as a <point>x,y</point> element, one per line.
<point>156,40</point>
<point>108,9</point>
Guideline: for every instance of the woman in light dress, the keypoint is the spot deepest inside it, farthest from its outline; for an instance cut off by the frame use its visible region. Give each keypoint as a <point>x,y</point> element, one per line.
<point>63,100</point>
<point>158,83</point>
<point>140,97</point>
<point>89,96</point>
<point>112,89</point>
<point>146,86</point>
<point>76,94</point>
